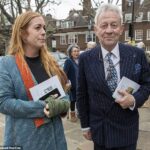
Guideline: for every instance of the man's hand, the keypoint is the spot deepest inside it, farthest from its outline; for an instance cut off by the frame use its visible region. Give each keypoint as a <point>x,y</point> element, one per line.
<point>87,135</point>
<point>127,99</point>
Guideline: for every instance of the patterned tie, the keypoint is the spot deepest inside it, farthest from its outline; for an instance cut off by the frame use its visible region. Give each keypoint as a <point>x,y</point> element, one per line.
<point>112,74</point>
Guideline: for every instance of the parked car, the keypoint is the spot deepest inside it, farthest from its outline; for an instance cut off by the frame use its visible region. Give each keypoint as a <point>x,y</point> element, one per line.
<point>60,57</point>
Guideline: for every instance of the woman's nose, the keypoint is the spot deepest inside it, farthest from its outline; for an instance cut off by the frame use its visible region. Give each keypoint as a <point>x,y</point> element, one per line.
<point>43,31</point>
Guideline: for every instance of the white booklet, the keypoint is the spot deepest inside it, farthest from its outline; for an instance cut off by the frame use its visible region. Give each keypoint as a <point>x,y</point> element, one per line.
<point>49,87</point>
<point>126,84</point>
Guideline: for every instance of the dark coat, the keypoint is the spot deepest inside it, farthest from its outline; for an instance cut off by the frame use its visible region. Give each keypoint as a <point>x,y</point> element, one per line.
<point>71,70</point>
<point>111,125</point>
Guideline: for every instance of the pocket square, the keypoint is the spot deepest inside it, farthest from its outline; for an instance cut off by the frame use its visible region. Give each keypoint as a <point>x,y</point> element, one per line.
<point>137,68</point>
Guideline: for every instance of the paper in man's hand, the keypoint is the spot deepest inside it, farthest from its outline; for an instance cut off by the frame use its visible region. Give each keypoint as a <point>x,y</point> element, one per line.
<point>126,84</point>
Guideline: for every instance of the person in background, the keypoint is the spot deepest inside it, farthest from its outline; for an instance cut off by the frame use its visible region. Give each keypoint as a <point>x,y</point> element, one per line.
<point>31,123</point>
<point>141,45</point>
<point>112,124</point>
<point>71,70</point>
<point>90,45</point>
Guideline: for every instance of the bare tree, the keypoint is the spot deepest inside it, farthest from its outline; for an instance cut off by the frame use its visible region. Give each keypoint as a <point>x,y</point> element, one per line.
<point>11,8</point>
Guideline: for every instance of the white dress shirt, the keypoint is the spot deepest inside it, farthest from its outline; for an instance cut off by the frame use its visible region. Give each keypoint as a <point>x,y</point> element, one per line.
<point>115,59</point>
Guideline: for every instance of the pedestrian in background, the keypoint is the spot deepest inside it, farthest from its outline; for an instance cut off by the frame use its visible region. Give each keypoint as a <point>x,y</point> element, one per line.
<point>30,124</point>
<point>71,70</point>
<point>112,124</point>
<point>90,45</point>
<point>141,45</point>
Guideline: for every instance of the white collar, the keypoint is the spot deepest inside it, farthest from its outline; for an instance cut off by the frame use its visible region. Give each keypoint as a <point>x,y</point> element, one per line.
<point>115,52</point>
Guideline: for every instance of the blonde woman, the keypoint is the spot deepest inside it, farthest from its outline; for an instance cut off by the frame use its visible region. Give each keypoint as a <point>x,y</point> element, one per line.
<point>30,124</point>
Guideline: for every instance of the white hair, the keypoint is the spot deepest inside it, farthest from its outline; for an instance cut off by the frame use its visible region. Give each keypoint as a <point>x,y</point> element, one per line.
<point>91,44</point>
<point>108,7</point>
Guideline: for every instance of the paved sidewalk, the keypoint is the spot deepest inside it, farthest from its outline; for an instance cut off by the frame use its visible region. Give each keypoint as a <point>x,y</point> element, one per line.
<point>76,141</point>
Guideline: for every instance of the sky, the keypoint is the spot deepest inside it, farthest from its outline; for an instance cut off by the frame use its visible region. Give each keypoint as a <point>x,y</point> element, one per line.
<point>62,11</point>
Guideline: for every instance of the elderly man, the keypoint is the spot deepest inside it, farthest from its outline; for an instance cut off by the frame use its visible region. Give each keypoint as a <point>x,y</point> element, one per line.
<point>111,123</point>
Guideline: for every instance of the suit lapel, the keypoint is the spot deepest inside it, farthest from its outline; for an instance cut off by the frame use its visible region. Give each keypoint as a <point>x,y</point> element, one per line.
<point>99,73</point>
<point>127,59</point>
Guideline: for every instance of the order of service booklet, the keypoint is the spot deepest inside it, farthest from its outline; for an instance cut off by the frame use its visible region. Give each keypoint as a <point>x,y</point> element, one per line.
<point>126,84</point>
<point>49,87</point>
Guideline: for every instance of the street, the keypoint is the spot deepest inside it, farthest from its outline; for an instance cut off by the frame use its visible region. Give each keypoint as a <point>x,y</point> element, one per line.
<point>76,141</point>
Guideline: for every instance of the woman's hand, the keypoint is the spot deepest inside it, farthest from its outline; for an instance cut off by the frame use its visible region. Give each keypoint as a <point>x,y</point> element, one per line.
<point>46,110</point>
<point>68,86</point>
<point>55,106</point>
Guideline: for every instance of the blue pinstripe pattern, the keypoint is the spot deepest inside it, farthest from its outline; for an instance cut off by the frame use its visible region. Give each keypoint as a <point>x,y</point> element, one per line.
<point>110,125</point>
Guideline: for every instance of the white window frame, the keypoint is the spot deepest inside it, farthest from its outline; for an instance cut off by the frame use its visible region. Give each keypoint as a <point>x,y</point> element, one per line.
<point>72,38</point>
<point>63,40</point>
<point>70,24</point>
<point>127,38</point>
<point>148,15</point>
<point>140,17</point>
<point>58,23</point>
<point>67,24</point>
<point>93,37</point>
<point>63,24</point>
<point>128,17</point>
<point>148,34</point>
<point>139,35</point>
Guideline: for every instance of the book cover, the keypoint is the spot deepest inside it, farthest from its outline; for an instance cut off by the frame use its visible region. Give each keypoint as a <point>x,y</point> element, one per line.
<point>53,92</point>
<point>126,84</point>
<point>49,87</point>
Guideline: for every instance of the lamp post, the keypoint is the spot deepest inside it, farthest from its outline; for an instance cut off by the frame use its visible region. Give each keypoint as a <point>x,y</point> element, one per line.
<point>131,25</point>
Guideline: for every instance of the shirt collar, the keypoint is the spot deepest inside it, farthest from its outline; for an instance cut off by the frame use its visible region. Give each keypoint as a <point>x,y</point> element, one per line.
<point>115,51</point>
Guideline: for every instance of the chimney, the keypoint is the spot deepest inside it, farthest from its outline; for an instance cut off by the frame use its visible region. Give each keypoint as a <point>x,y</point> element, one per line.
<point>87,7</point>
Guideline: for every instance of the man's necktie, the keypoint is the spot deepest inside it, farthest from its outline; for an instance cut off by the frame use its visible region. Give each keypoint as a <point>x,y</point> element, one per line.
<point>112,77</point>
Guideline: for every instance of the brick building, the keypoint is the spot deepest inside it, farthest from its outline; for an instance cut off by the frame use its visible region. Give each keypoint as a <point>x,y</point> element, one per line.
<point>139,16</point>
<point>78,26</point>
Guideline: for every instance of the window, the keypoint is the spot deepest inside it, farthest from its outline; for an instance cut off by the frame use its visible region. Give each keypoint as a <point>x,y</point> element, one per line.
<point>148,48</point>
<point>127,38</point>
<point>92,37</point>
<point>138,34</point>
<point>72,38</point>
<point>67,24</point>
<point>148,34</point>
<point>128,17</point>
<point>148,16</point>
<point>70,24</point>
<point>63,24</point>
<point>57,23</point>
<point>63,40</point>
<point>139,18</point>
